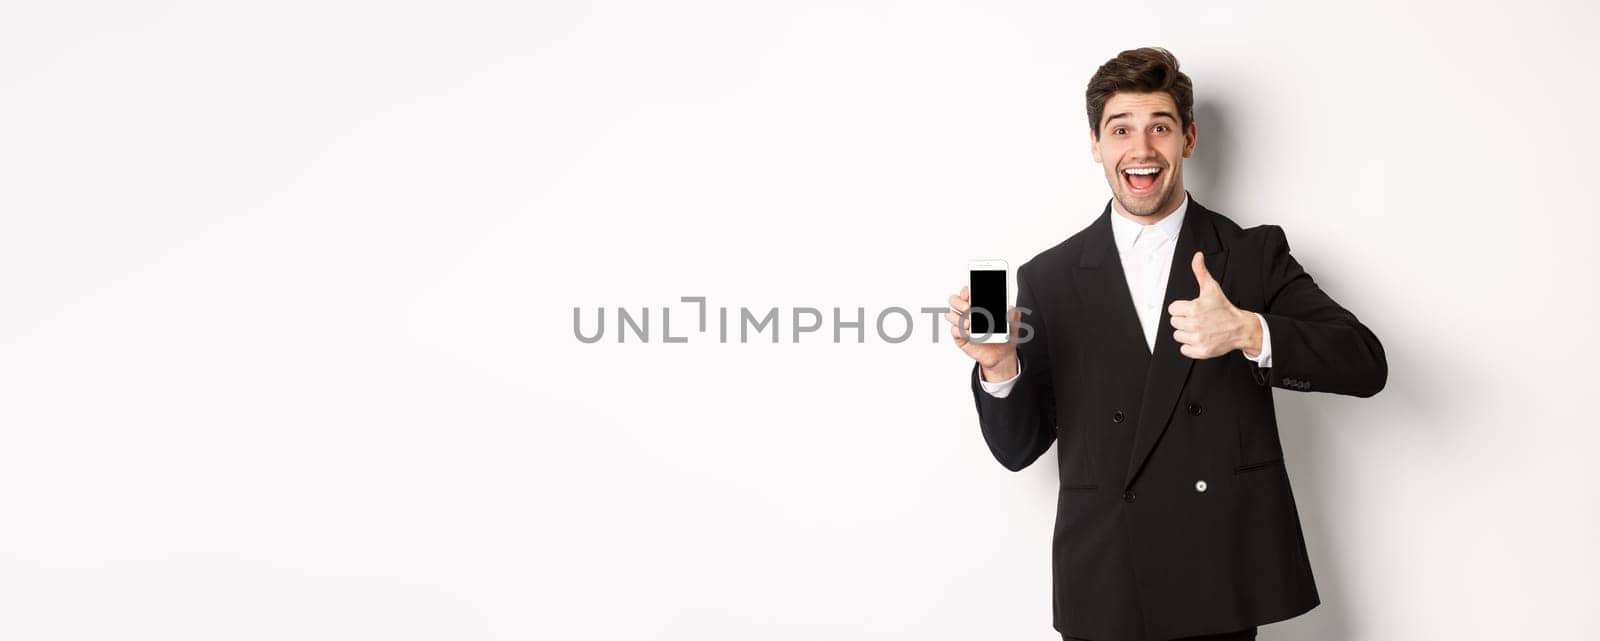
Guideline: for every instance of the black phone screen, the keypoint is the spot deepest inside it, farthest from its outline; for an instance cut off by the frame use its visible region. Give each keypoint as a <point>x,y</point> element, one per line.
<point>988,292</point>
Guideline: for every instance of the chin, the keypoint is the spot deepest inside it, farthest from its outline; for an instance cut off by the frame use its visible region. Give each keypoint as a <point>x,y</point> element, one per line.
<point>1144,205</point>
<point>1141,205</point>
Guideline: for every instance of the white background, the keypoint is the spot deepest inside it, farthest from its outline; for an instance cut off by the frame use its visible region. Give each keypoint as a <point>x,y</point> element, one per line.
<point>286,349</point>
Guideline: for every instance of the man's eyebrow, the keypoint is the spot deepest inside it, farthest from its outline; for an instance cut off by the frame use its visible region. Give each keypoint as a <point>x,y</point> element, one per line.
<point>1129,114</point>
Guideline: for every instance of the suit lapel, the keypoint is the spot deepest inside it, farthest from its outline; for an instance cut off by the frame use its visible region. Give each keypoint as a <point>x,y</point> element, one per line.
<point>1103,285</point>
<point>1169,369</point>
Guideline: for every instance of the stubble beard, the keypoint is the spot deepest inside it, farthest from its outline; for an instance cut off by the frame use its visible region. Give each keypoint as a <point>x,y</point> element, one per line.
<point>1144,207</point>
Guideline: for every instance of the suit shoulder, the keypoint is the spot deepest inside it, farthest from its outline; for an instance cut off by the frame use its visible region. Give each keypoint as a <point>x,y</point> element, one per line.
<point>1060,255</point>
<point>1270,238</point>
<point>1260,236</point>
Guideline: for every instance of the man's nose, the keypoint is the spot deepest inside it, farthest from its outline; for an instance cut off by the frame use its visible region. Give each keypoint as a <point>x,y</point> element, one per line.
<point>1142,145</point>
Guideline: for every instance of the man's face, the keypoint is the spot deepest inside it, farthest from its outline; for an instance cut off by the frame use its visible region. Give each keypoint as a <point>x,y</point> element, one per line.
<point>1142,147</point>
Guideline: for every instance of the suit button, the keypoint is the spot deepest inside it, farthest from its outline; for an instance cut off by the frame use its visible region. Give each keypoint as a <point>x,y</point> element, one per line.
<point>1194,409</point>
<point>1116,417</point>
<point>1199,486</point>
<point>1127,496</point>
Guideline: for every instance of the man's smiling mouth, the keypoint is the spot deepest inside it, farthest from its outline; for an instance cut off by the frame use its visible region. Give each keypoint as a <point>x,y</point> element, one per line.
<point>1141,180</point>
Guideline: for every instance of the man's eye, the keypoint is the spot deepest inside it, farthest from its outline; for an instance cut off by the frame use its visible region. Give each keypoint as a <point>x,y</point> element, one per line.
<point>1161,128</point>
<point>1119,131</point>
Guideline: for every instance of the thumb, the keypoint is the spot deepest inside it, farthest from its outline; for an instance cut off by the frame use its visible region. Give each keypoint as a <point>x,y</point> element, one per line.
<point>1202,275</point>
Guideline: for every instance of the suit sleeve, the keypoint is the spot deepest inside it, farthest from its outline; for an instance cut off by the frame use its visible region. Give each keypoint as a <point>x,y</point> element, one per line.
<point>1316,344</point>
<point>1020,427</point>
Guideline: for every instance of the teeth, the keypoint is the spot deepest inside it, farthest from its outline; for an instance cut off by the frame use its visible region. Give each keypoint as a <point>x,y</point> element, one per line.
<point>1142,171</point>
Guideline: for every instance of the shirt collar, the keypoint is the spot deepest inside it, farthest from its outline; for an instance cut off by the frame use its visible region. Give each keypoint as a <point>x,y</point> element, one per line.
<point>1126,231</point>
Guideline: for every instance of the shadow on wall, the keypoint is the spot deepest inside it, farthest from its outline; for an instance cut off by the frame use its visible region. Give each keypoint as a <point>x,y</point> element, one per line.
<point>1302,427</point>
<point>1206,175</point>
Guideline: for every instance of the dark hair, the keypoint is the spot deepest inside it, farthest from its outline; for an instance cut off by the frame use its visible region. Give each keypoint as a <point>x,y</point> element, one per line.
<point>1146,70</point>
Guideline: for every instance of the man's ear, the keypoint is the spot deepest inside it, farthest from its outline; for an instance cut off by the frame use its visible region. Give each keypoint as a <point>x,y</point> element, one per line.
<point>1189,136</point>
<point>1094,145</point>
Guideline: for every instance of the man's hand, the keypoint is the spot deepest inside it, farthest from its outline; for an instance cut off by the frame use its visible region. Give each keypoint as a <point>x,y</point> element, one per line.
<point>996,361</point>
<point>1210,326</point>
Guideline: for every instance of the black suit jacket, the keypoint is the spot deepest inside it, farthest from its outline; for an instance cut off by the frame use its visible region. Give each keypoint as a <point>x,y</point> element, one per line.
<point>1175,516</point>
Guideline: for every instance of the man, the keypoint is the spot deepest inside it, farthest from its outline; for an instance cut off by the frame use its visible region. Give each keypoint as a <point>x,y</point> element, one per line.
<point>1174,518</point>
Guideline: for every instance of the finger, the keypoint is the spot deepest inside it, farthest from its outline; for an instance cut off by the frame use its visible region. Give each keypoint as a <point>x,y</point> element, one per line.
<point>956,334</point>
<point>964,295</point>
<point>1202,276</point>
<point>958,304</point>
<point>1181,308</point>
<point>1185,338</point>
<point>1186,323</point>
<point>957,319</point>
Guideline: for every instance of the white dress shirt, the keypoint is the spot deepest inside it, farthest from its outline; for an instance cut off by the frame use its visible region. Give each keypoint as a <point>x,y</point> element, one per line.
<point>1146,253</point>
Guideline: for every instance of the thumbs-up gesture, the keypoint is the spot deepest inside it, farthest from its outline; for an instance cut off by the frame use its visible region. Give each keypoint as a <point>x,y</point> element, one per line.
<point>1210,326</point>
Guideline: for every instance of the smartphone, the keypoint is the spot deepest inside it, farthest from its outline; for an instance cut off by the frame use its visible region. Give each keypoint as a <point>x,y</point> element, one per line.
<point>986,290</point>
